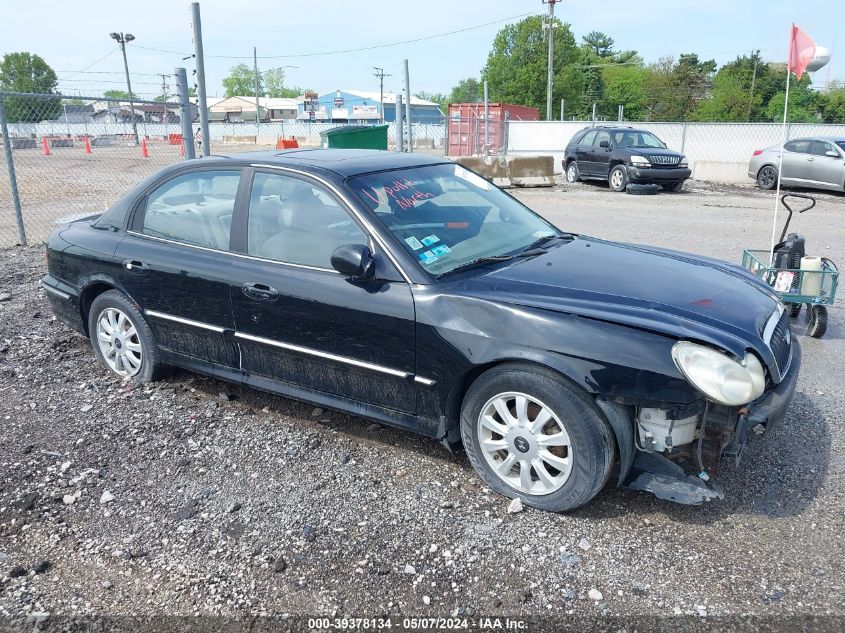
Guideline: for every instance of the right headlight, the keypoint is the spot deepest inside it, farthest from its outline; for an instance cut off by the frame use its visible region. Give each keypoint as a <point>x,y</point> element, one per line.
<point>719,377</point>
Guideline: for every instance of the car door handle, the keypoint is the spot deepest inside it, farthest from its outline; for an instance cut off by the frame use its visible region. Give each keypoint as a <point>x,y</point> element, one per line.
<point>811,159</point>
<point>260,292</point>
<point>135,265</point>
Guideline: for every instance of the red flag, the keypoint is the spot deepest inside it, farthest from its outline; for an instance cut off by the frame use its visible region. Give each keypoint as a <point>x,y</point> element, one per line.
<point>802,48</point>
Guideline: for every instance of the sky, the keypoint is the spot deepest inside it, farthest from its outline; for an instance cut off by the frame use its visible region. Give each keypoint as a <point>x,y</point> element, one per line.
<point>73,37</point>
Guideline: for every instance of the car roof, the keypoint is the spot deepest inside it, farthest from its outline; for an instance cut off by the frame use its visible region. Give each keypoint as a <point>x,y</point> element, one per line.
<point>345,162</point>
<point>831,139</point>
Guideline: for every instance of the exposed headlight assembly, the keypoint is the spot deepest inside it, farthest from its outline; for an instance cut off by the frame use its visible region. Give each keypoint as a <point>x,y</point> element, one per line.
<point>719,377</point>
<point>640,161</point>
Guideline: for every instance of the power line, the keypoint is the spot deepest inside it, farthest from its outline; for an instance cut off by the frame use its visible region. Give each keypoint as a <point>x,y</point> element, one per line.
<point>349,50</point>
<point>109,54</point>
<point>107,72</point>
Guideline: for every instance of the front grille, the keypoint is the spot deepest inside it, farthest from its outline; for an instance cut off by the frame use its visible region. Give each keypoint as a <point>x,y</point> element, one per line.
<point>781,343</point>
<point>663,159</point>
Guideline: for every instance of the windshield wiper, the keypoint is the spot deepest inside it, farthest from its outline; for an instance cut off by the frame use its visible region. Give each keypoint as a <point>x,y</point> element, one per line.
<point>549,238</point>
<point>493,259</point>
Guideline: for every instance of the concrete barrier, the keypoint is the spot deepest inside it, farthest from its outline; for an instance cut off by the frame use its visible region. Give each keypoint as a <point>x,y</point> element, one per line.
<point>515,171</point>
<point>492,168</point>
<point>249,140</point>
<point>531,171</point>
<point>719,171</point>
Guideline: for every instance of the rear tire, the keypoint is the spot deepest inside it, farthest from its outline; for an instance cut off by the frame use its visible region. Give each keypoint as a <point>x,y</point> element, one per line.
<point>767,177</point>
<point>122,339</point>
<point>618,178</point>
<point>573,174</point>
<point>556,466</point>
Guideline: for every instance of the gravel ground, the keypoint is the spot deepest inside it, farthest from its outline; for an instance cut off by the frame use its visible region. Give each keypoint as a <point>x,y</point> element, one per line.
<point>195,497</point>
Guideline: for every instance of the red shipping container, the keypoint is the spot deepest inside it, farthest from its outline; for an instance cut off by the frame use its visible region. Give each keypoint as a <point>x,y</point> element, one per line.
<point>465,134</point>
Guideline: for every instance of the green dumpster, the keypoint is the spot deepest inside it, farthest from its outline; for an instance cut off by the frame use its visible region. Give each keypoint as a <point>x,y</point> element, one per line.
<point>355,137</point>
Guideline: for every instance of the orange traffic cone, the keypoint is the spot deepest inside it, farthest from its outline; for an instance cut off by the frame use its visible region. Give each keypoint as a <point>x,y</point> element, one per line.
<point>45,146</point>
<point>145,153</point>
<point>87,145</point>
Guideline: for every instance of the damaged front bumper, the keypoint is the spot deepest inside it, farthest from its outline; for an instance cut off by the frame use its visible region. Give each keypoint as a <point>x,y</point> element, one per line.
<point>724,431</point>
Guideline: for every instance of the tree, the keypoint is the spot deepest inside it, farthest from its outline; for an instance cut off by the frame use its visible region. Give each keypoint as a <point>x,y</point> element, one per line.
<point>626,86</point>
<point>274,84</point>
<point>441,100</point>
<point>241,81</point>
<point>599,43</point>
<point>25,72</point>
<point>468,90</point>
<point>676,89</point>
<point>516,66</point>
<point>118,95</point>
<point>832,104</point>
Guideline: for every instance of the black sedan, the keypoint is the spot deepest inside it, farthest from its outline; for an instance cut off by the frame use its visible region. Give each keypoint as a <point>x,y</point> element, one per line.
<point>409,290</point>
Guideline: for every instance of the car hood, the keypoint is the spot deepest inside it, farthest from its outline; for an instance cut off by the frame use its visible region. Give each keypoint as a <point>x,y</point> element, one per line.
<point>653,151</point>
<point>670,292</point>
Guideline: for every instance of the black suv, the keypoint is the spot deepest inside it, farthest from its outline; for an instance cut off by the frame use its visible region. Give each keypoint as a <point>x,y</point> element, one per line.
<point>624,155</point>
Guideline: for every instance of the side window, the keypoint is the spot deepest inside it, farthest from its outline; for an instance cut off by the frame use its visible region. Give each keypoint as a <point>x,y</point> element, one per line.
<point>297,222</point>
<point>588,138</point>
<point>801,147</point>
<point>194,208</point>
<point>601,136</point>
<point>820,148</point>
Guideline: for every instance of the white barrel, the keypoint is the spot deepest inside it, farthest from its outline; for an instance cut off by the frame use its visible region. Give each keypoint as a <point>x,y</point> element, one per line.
<point>811,282</point>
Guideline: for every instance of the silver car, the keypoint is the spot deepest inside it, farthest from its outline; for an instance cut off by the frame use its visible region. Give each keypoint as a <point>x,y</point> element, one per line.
<point>817,162</point>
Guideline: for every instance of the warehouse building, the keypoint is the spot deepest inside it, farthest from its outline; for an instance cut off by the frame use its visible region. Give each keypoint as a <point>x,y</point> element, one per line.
<point>359,106</point>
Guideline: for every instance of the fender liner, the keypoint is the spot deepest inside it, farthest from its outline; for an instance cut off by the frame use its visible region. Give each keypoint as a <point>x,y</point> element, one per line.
<point>621,421</point>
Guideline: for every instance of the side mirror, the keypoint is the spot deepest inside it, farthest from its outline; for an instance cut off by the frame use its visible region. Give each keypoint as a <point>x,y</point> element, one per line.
<point>832,153</point>
<point>604,144</point>
<point>355,261</point>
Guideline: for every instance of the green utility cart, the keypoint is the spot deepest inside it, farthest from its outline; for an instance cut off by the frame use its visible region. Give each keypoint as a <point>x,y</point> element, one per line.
<point>355,137</point>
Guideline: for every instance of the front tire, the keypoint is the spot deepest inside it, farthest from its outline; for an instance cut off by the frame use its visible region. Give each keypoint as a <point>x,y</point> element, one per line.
<point>531,435</point>
<point>767,177</point>
<point>573,174</point>
<point>122,339</point>
<point>618,178</point>
<point>818,321</point>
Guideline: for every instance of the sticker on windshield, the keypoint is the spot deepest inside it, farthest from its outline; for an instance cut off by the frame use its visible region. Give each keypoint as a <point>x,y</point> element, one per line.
<point>440,250</point>
<point>427,257</point>
<point>413,243</point>
<point>430,239</point>
<point>471,178</point>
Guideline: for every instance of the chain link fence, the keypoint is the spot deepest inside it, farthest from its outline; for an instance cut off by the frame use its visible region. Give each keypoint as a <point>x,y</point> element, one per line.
<point>74,156</point>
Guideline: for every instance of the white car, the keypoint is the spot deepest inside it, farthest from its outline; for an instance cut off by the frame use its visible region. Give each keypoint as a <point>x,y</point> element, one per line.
<point>817,162</point>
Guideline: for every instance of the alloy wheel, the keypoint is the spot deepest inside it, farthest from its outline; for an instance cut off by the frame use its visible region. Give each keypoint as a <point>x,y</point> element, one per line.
<point>525,443</point>
<point>767,177</point>
<point>616,179</point>
<point>571,174</point>
<point>119,342</point>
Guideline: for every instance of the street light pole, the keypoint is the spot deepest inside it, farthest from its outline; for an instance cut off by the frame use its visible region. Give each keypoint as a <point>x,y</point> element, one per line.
<point>122,38</point>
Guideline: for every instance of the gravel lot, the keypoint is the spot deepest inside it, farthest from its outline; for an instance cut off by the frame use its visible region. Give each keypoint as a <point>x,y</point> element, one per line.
<point>192,496</point>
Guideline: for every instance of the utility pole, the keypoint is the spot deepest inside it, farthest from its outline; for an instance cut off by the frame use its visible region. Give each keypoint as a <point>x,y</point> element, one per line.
<point>381,75</point>
<point>185,112</point>
<point>486,120</point>
<point>164,86</point>
<point>410,140</point>
<point>550,78</point>
<point>562,103</point>
<point>122,38</point>
<point>756,56</point>
<point>257,89</point>
<point>202,103</point>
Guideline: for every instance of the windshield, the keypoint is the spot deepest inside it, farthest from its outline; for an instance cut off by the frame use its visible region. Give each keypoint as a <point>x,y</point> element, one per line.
<point>446,216</point>
<point>636,138</point>
<point>841,144</point>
